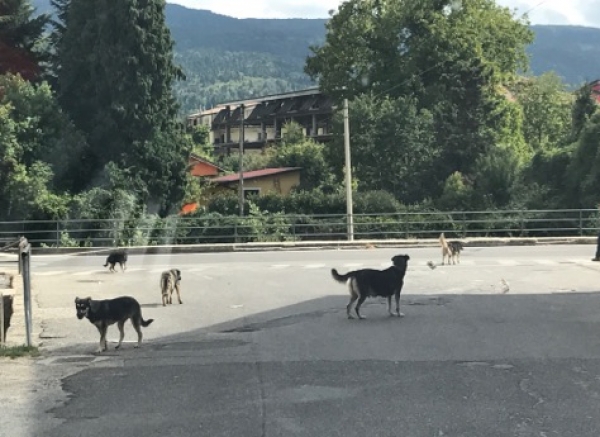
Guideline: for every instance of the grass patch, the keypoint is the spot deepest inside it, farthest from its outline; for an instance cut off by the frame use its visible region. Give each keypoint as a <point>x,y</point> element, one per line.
<point>19,351</point>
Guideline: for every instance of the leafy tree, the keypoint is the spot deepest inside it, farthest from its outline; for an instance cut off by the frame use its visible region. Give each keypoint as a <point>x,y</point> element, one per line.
<point>24,189</point>
<point>309,156</point>
<point>583,172</point>
<point>583,108</point>
<point>545,178</point>
<point>546,111</point>
<point>23,46</point>
<point>453,61</point>
<point>392,147</point>
<point>115,80</point>
<point>400,47</point>
<point>497,178</point>
<point>44,132</point>
<point>457,193</point>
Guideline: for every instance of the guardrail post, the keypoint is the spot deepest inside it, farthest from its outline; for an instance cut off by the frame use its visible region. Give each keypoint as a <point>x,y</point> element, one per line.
<point>580,223</point>
<point>25,255</point>
<point>22,243</point>
<point>522,222</point>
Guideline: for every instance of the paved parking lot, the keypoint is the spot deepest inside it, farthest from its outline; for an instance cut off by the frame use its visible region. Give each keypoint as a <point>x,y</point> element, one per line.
<point>504,344</point>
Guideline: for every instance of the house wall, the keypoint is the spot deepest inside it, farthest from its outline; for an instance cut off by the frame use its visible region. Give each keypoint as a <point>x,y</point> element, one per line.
<point>280,184</point>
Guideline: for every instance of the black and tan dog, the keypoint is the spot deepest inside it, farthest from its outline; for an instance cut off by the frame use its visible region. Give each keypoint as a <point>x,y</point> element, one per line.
<point>117,256</point>
<point>170,281</point>
<point>365,283</point>
<point>103,313</point>
<point>450,249</point>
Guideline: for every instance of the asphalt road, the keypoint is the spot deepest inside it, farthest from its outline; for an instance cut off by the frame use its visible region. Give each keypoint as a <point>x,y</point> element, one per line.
<point>505,344</point>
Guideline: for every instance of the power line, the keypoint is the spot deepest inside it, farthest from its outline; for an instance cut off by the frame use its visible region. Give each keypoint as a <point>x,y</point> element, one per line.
<point>535,7</point>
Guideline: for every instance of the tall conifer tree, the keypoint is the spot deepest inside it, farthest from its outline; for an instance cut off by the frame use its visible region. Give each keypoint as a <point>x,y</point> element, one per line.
<point>22,48</point>
<point>115,76</point>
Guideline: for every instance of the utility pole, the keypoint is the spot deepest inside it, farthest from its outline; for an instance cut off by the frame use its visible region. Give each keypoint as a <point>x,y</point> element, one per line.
<point>349,214</point>
<point>241,150</point>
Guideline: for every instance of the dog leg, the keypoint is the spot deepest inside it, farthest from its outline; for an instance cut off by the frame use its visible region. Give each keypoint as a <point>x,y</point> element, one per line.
<point>358,304</point>
<point>101,342</point>
<point>398,313</point>
<point>103,328</point>
<point>121,325</point>
<point>136,325</point>
<point>178,294</point>
<point>389,300</point>
<point>353,297</point>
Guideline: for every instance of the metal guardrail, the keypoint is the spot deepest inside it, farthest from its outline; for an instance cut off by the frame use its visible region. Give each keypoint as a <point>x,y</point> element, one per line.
<point>215,228</point>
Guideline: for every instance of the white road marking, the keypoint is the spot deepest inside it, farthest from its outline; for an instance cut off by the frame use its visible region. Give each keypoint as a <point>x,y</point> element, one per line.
<point>88,272</point>
<point>508,262</point>
<point>314,266</point>
<point>280,266</point>
<point>54,273</point>
<point>353,265</point>
<point>467,262</point>
<point>546,262</point>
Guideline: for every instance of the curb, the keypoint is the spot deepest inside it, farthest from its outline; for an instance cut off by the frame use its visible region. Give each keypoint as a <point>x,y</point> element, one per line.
<point>314,245</point>
<point>16,335</point>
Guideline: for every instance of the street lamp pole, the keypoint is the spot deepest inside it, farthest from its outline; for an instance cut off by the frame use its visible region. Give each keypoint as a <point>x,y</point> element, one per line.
<point>349,213</point>
<point>241,156</point>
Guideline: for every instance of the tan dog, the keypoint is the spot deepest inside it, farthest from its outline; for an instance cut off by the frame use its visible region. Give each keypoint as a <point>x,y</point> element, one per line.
<point>450,249</point>
<point>170,281</point>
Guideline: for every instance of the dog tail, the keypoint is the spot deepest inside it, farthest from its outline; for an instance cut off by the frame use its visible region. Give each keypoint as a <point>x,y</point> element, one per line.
<point>341,278</point>
<point>443,241</point>
<point>106,263</point>
<point>146,323</point>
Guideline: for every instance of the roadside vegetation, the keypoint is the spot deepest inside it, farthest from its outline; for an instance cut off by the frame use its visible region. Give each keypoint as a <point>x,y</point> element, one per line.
<point>442,118</point>
<point>19,351</point>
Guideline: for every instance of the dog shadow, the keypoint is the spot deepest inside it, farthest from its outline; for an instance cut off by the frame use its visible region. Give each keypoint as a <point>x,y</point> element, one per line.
<point>151,305</point>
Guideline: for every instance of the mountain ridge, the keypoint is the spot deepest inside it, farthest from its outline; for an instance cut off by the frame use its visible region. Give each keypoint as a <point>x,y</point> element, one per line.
<point>227,58</point>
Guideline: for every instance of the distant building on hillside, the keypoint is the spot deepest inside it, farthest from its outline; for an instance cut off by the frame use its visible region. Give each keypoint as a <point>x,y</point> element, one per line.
<point>596,90</point>
<point>265,119</point>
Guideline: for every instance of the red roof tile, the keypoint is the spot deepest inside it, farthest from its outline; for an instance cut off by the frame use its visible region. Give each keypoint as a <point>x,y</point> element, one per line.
<point>254,174</point>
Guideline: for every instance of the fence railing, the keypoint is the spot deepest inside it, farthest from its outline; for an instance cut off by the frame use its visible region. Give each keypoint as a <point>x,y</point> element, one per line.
<point>215,228</point>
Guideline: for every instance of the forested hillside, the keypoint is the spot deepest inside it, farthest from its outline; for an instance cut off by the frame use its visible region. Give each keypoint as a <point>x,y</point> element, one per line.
<point>225,58</point>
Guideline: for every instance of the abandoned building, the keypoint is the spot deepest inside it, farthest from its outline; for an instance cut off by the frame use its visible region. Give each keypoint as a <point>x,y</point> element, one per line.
<point>265,119</point>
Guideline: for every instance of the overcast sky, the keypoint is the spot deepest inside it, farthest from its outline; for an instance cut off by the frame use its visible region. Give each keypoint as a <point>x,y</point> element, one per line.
<point>579,12</point>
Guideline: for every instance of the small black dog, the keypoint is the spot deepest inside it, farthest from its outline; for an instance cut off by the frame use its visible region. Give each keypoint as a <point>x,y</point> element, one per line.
<point>103,313</point>
<point>365,283</point>
<point>117,256</point>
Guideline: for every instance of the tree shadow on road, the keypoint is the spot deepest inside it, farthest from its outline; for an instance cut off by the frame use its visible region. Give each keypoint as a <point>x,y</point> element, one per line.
<point>454,326</point>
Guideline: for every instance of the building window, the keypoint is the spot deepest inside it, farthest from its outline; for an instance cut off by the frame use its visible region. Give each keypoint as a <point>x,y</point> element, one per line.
<point>251,192</point>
